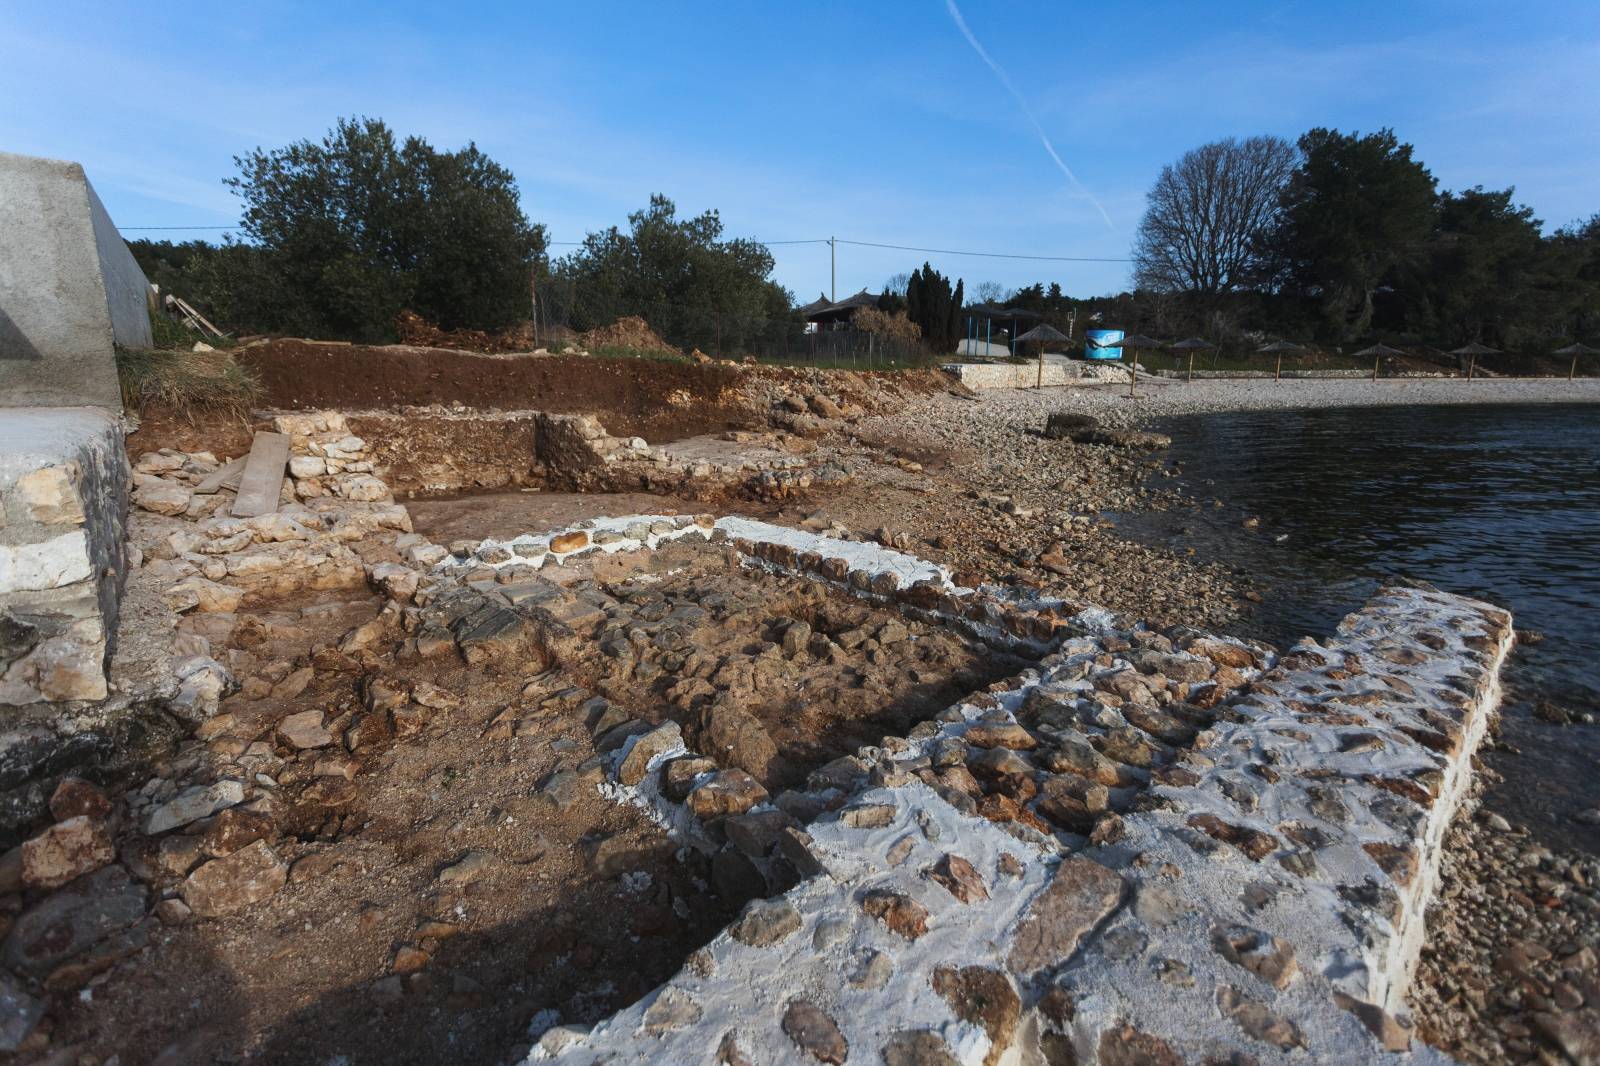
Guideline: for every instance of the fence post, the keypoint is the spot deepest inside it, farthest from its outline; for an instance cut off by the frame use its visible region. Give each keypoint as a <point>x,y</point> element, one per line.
<point>1375,368</point>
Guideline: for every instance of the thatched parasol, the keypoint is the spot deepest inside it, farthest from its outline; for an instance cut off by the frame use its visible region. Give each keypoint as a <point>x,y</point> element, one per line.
<point>1378,352</point>
<point>1472,351</point>
<point>1044,333</point>
<point>1191,345</point>
<point>1280,347</point>
<point>1133,342</point>
<point>1575,350</point>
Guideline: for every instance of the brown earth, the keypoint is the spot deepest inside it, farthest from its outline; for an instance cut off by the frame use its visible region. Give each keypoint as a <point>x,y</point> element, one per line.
<point>629,331</point>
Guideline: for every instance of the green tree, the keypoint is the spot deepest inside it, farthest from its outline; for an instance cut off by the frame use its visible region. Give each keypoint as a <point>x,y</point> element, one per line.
<point>935,308</point>
<point>1355,209</point>
<point>1480,269</point>
<point>347,232</point>
<point>680,275</point>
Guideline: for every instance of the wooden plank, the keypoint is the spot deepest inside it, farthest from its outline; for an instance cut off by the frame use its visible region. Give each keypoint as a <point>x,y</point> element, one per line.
<point>227,474</point>
<point>262,484</point>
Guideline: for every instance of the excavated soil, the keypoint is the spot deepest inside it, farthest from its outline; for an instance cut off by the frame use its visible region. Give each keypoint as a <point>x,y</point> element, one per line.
<point>657,400</point>
<point>317,974</point>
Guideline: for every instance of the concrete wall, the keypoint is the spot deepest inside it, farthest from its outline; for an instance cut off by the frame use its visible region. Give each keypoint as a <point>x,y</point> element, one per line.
<point>69,288</point>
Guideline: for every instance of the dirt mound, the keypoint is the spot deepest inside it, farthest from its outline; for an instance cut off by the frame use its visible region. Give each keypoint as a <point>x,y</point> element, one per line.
<point>629,331</point>
<point>414,329</point>
<point>652,399</point>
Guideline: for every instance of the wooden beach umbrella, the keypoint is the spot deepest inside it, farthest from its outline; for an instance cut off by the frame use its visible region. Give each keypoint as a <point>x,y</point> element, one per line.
<point>1378,352</point>
<point>1134,342</point>
<point>1044,333</point>
<point>1472,351</point>
<point>1575,350</point>
<point>1192,345</point>
<point>1280,347</point>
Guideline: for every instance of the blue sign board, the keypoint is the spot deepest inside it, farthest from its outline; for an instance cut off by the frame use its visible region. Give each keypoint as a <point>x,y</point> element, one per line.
<point>1103,344</point>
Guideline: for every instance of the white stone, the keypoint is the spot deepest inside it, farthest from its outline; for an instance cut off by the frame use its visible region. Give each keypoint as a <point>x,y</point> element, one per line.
<point>49,564</point>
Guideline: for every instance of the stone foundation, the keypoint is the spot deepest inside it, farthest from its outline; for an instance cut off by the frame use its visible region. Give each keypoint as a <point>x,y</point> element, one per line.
<point>64,493</point>
<point>1154,847</point>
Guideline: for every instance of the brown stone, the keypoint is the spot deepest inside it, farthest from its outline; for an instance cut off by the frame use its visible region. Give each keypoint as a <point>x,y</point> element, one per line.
<point>815,1033</point>
<point>235,828</point>
<point>765,922</point>
<point>960,878</point>
<point>74,796</point>
<point>985,998</point>
<point>1395,1035</point>
<point>677,775</point>
<point>1078,898</point>
<point>735,738</point>
<point>305,730</point>
<point>1266,956</point>
<point>727,792</point>
<point>223,886</point>
<point>569,542</point>
<point>898,911</point>
<point>65,851</point>
<point>657,742</point>
<point>1000,735</point>
<point>410,959</point>
<point>1256,1020</point>
<point>1127,1046</point>
<point>1253,842</point>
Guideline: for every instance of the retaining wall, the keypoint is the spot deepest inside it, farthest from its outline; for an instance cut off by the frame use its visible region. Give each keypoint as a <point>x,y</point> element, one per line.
<point>69,288</point>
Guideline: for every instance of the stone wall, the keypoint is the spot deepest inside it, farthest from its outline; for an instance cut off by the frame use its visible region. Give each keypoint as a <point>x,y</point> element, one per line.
<point>1027,376</point>
<point>69,288</point>
<point>1152,847</point>
<point>64,492</point>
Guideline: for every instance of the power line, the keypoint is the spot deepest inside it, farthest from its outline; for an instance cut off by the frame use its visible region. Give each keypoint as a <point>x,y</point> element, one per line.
<point>813,240</point>
<point>988,255</point>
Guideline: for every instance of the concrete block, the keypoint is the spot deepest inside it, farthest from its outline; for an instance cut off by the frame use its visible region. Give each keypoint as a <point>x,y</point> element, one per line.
<point>69,288</point>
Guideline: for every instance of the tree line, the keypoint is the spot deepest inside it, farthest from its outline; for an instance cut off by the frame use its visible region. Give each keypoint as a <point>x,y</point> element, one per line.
<point>1340,237</point>
<point>1334,238</point>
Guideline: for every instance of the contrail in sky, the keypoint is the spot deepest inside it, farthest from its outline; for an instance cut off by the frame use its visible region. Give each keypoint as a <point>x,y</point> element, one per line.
<point>1005,79</point>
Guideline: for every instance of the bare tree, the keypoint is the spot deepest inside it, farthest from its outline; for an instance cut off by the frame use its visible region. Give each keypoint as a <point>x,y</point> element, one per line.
<point>990,292</point>
<point>1206,214</point>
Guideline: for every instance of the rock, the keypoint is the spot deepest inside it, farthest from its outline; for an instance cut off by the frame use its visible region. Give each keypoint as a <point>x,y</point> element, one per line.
<point>874,971</point>
<point>764,923</point>
<point>1268,957</point>
<point>192,804</point>
<point>65,851</point>
<point>678,775</point>
<point>409,959</point>
<point>672,1009</point>
<point>1395,1036</point>
<point>223,886</point>
<point>395,581</point>
<point>735,738</point>
<point>71,920</point>
<point>815,1033</point>
<point>726,792</point>
<point>163,497</point>
<point>172,912</point>
<point>467,869</point>
<point>19,1013</point>
<point>1000,735</point>
<point>960,878</point>
<point>660,741</point>
<point>868,815</point>
<point>1257,1021</point>
<point>305,730</point>
<point>1063,425</point>
<point>294,684</point>
<point>985,998</point>
<point>1575,1033</point>
<point>1127,1046</point>
<point>233,829</point>
<point>1078,898</point>
<point>902,915</point>
<point>731,1051</point>
<point>74,796</point>
<point>917,1048</point>
<point>831,929</point>
<point>576,540</point>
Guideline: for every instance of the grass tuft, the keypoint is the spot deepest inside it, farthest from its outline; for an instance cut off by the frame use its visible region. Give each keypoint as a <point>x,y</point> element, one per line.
<point>186,382</point>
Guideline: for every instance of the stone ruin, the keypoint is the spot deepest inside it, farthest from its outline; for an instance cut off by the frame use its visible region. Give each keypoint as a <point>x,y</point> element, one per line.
<point>1111,845</point>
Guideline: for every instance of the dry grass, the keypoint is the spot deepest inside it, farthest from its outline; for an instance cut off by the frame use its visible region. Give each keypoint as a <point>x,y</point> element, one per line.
<point>186,382</point>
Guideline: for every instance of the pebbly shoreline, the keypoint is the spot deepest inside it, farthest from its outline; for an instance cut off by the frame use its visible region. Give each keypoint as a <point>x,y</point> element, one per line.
<point>1158,398</point>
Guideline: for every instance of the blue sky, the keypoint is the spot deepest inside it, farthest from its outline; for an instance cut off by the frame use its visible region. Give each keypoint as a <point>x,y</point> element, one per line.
<point>869,121</point>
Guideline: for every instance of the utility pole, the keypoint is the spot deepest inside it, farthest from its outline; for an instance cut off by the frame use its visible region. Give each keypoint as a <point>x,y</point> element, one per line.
<point>833,269</point>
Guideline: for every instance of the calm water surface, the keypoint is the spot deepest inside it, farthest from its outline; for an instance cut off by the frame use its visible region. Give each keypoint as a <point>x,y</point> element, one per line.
<point>1499,502</point>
